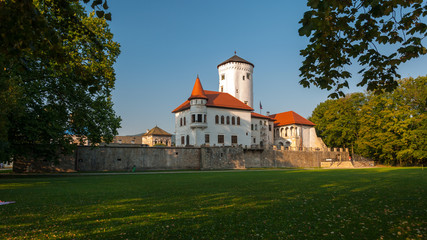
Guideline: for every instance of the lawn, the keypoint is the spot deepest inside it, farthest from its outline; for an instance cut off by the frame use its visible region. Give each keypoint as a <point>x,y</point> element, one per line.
<point>378,203</point>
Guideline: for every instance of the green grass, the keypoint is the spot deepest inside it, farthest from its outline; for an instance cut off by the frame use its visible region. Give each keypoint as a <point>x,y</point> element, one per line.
<point>387,203</point>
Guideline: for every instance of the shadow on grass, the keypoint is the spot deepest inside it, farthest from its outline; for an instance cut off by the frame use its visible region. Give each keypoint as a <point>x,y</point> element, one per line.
<point>331,204</point>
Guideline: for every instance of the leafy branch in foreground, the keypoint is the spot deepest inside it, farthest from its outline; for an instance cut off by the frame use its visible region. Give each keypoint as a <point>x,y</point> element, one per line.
<point>342,31</point>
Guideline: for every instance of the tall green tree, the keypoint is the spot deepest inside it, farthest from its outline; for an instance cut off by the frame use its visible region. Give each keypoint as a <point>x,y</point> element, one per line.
<point>394,125</point>
<point>337,121</point>
<point>56,78</point>
<point>345,31</point>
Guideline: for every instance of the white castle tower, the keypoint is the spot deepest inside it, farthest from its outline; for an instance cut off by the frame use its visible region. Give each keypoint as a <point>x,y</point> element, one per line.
<point>236,79</point>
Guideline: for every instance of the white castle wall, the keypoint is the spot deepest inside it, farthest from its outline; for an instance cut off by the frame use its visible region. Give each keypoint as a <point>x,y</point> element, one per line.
<point>234,84</point>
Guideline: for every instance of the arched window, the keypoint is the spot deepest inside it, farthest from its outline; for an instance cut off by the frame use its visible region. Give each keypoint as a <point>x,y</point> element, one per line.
<point>238,120</point>
<point>292,129</point>
<point>180,120</point>
<point>228,120</point>
<point>233,120</point>
<point>185,121</point>
<point>286,132</point>
<point>222,119</point>
<point>281,132</point>
<point>217,119</point>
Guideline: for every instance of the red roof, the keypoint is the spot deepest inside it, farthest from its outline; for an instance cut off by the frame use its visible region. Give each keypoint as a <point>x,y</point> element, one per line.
<point>257,115</point>
<point>291,117</point>
<point>217,99</point>
<point>197,90</point>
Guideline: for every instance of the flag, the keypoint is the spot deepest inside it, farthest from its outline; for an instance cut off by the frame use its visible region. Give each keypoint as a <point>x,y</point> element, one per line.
<point>260,105</point>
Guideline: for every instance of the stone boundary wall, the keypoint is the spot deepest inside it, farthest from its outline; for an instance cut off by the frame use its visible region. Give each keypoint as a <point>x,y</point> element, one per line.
<point>125,158</point>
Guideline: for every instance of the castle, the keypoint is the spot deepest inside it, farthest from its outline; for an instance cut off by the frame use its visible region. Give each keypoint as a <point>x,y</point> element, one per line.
<point>227,117</point>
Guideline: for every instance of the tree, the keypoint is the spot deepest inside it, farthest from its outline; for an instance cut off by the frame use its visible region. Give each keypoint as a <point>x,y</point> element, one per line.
<point>388,127</point>
<point>337,121</point>
<point>56,78</point>
<point>394,125</point>
<point>343,31</point>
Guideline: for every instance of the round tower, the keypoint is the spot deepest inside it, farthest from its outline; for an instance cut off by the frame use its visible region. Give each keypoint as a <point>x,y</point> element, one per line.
<point>198,111</point>
<point>236,79</point>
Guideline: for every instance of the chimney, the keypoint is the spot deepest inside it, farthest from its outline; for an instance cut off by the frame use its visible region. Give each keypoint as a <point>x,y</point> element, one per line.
<point>268,113</point>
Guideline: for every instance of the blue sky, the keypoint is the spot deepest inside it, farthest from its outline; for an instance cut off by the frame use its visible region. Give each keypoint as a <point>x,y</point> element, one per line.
<point>166,43</point>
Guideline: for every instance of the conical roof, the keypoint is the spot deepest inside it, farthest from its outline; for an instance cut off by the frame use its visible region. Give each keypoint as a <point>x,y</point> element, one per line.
<point>235,58</point>
<point>198,91</point>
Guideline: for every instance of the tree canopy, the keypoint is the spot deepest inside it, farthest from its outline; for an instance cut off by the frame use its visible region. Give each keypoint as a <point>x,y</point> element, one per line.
<point>388,127</point>
<point>344,31</point>
<point>56,78</point>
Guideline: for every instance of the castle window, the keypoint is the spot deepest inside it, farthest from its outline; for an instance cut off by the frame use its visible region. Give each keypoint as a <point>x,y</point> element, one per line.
<point>256,127</point>
<point>222,89</point>
<point>233,120</point>
<point>182,140</point>
<point>199,118</point>
<point>220,138</point>
<point>254,140</point>
<point>243,77</point>
<point>193,118</point>
<point>252,127</point>
<point>269,127</point>
<point>185,121</point>
<point>237,90</point>
<point>222,76</point>
<point>234,139</point>
<point>248,76</point>
<point>216,119</point>
<point>180,122</point>
<point>238,120</point>
<point>206,138</point>
<point>228,120</point>
<point>204,118</point>
<point>222,119</point>
<point>260,123</point>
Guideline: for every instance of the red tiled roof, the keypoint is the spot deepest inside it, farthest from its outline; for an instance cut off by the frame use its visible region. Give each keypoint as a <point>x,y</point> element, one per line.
<point>217,99</point>
<point>157,132</point>
<point>291,117</point>
<point>197,90</point>
<point>257,115</point>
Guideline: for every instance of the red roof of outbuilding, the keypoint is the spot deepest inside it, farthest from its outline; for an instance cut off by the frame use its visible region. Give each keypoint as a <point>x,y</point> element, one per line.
<point>197,90</point>
<point>291,117</point>
<point>217,99</point>
<point>257,115</point>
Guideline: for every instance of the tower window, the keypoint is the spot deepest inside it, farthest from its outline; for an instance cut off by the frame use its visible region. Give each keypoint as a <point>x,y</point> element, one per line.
<point>222,76</point>
<point>182,140</point>
<point>216,119</point>
<point>222,119</point>
<point>228,120</point>
<point>246,102</point>
<point>243,77</point>
<point>237,90</point>
<point>199,118</point>
<point>206,138</point>
<point>248,76</point>
<point>233,120</point>
<point>222,89</point>
<point>238,120</point>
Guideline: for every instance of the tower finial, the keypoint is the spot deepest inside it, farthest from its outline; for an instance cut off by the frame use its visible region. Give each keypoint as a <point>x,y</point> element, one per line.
<point>235,53</point>
<point>197,75</point>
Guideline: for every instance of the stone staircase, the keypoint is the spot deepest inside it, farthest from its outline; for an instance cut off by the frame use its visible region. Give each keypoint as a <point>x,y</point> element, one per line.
<point>337,164</point>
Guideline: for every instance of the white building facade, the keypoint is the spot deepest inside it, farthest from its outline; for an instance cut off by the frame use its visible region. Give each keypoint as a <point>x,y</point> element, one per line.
<point>226,117</point>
